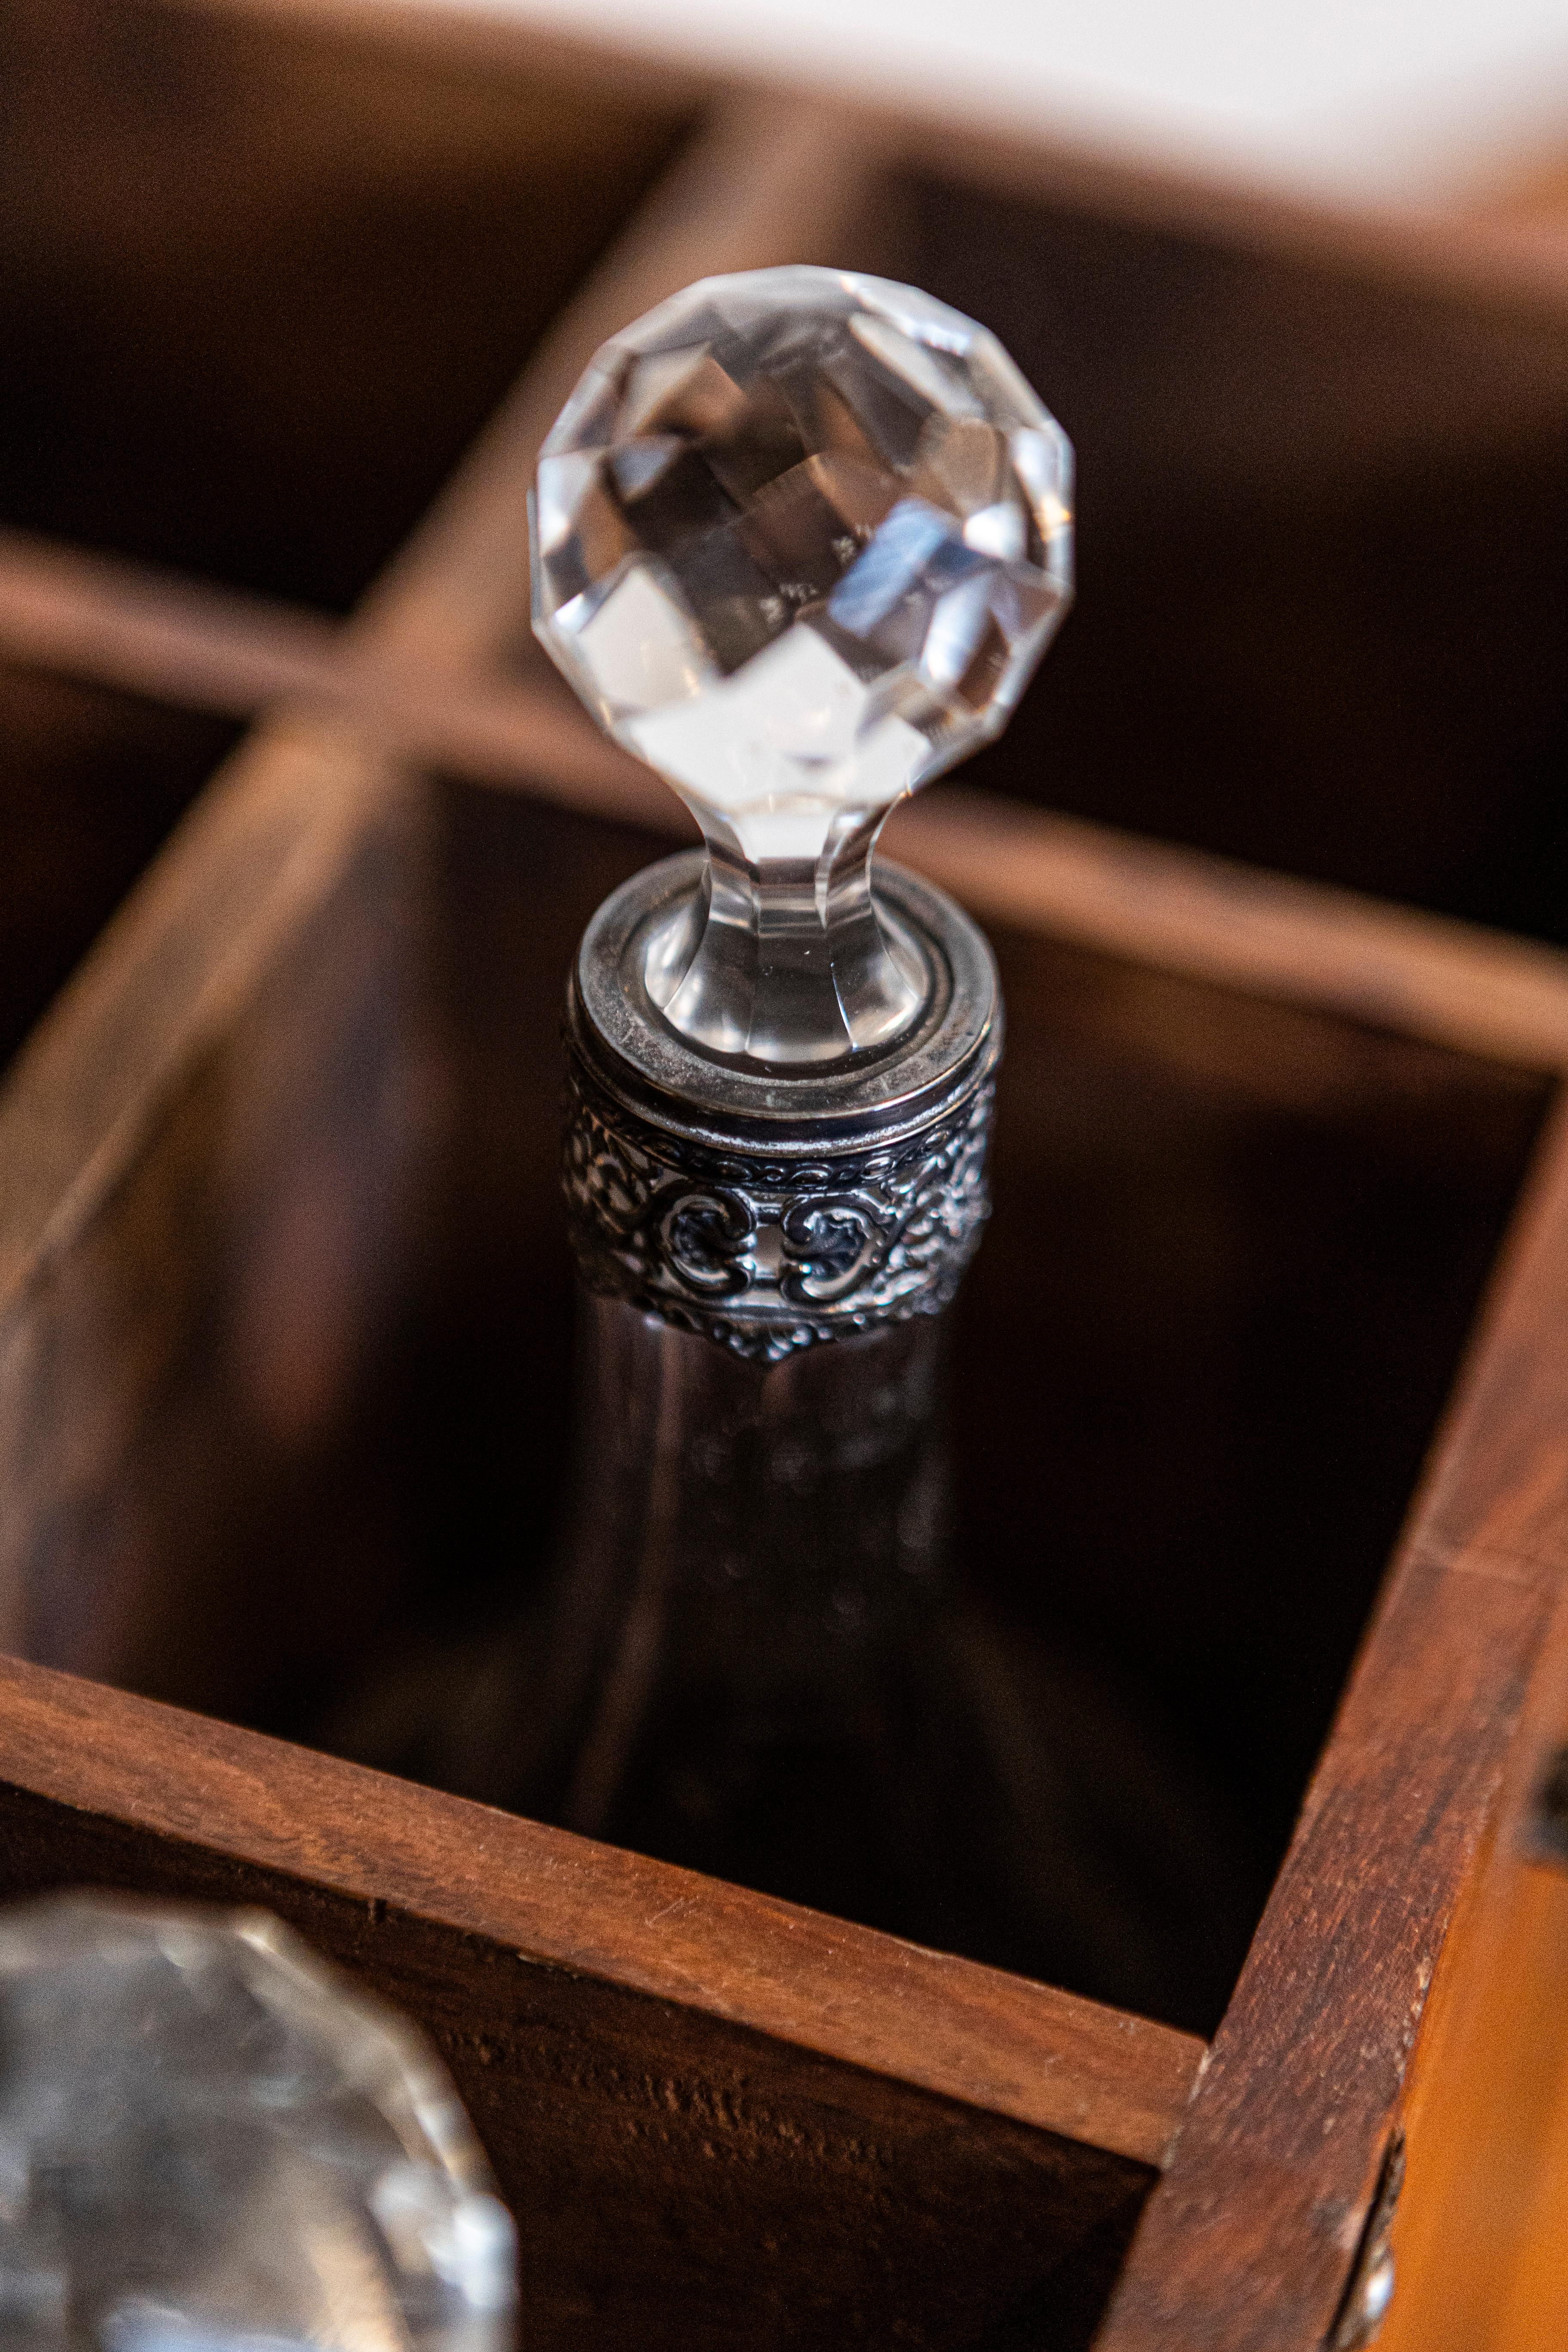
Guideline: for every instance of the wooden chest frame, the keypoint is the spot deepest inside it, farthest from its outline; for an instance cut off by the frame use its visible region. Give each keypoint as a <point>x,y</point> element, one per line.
<point>717,2116</point>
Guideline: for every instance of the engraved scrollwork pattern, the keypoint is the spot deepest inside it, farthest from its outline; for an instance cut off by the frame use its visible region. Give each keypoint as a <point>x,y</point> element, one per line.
<point>764,1255</point>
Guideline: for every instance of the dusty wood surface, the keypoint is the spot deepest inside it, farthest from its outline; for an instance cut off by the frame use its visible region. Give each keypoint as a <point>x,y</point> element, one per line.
<point>1251,2244</point>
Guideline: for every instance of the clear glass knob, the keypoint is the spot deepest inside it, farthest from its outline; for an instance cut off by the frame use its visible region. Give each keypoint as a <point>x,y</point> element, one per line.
<point>799,540</point>
<point>208,2142</point>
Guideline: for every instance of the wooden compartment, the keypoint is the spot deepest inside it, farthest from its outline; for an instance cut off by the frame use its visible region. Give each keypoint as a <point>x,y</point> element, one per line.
<point>284,1298</point>
<point>259,288</point>
<point>696,2140</point>
<point>1324,517</point>
<point>1236,1251</point>
<point>277,1417</point>
<point>90,782</point>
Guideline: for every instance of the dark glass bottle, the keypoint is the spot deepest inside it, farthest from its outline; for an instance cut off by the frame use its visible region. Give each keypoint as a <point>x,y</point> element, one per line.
<point>756,1657</point>
<point>747,1661</point>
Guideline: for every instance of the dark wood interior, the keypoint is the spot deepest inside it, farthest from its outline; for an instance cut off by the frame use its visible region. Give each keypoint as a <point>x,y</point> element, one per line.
<point>1235,1254</point>
<point>1324,583</point>
<point>1236,1251</point>
<point>284,1294</point>
<point>92,781</point>
<point>259,290</point>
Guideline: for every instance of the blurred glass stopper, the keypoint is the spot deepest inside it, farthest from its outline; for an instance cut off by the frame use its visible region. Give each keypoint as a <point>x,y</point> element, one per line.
<point>800,539</point>
<point>210,2143</point>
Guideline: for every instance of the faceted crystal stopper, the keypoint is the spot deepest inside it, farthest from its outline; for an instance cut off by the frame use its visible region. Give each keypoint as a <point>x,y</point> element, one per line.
<point>210,2144</point>
<point>799,540</point>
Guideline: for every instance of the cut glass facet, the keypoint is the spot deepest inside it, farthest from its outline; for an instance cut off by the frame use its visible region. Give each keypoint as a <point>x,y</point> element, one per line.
<point>210,2144</point>
<point>799,540</point>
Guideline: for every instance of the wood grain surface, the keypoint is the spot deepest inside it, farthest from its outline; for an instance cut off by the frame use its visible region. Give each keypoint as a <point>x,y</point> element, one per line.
<point>710,2113</point>
<point>211,649</point>
<point>1251,2243</point>
<point>1477,2236</point>
<point>993,2041</point>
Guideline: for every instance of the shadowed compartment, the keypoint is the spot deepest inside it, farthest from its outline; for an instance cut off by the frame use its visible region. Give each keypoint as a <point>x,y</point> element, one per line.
<point>1236,1250</point>
<point>260,283</point>
<point>1322,523</point>
<point>90,784</point>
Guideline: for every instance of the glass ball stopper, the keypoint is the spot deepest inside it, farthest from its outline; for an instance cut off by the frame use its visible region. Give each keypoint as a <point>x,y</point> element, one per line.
<point>211,2143</point>
<point>799,538</point>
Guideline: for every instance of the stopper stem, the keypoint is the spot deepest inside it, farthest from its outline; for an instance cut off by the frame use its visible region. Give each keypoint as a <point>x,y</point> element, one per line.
<point>786,959</point>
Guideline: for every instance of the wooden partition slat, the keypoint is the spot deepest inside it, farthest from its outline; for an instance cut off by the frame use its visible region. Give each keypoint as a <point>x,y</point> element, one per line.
<point>1249,2243</point>
<point>992,2040</point>
<point>1394,967</point>
<point>210,649</point>
<point>1476,2239</point>
<point>265,846</point>
<point>160,634</point>
<point>178,641</point>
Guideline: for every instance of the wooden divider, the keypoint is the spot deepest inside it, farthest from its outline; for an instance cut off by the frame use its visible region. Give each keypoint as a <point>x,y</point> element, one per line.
<point>1248,2245</point>
<point>210,649</point>
<point>761,183</point>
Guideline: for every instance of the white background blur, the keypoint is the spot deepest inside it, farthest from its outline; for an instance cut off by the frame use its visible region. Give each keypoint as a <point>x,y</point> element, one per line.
<point>1402,103</point>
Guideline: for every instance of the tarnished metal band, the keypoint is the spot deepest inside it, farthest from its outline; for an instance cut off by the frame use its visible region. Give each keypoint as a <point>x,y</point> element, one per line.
<point>765,1233</point>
